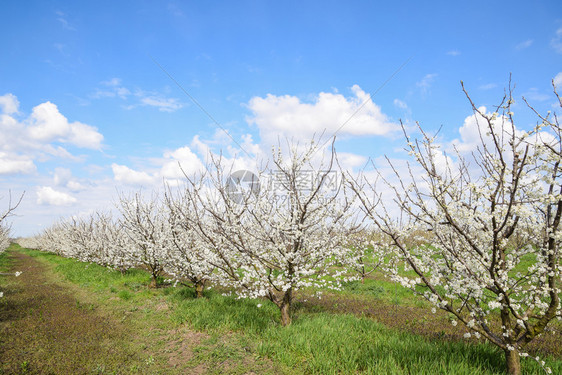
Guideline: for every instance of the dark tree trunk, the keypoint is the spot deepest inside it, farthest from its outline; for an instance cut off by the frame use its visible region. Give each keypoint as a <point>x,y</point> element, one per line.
<point>199,287</point>
<point>285,307</point>
<point>513,362</point>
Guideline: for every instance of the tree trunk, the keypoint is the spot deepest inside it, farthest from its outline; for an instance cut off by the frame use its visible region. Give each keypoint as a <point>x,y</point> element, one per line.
<point>513,362</point>
<point>285,307</point>
<point>285,314</point>
<point>153,283</point>
<point>199,286</point>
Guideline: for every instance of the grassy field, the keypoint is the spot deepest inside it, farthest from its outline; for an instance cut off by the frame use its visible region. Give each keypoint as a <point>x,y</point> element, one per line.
<point>370,328</point>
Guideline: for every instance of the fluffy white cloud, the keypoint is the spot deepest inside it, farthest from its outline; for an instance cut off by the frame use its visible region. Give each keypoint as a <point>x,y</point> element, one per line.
<point>85,136</point>
<point>15,164</point>
<point>9,104</point>
<point>63,177</point>
<point>351,161</point>
<point>184,157</point>
<point>471,132</point>
<point>475,130</point>
<point>287,116</point>
<point>47,124</point>
<point>128,176</point>
<point>169,168</point>
<point>38,138</point>
<point>48,196</point>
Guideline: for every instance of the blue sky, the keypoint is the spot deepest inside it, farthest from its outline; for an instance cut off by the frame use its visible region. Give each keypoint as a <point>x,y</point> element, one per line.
<point>86,111</point>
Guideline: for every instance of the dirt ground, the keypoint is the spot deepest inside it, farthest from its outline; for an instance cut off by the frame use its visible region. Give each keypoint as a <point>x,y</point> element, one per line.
<point>48,326</point>
<point>44,329</point>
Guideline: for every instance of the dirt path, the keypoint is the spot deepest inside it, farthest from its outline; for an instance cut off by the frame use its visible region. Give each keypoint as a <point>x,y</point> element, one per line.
<point>50,326</point>
<point>44,329</point>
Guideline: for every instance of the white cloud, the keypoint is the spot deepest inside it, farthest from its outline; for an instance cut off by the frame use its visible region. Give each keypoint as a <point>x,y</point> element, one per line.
<point>287,116</point>
<point>400,104</point>
<point>114,88</point>
<point>535,95</point>
<point>15,164</point>
<point>63,177</point>
<point>475,129</point>
<point>426,82</point>
<point>112,82</point>
<point>488,86</point>
<point>37,138</point>
<point>9,104</point>
<point>128,176</point>
<point>85,136</point>
<point>184,157</point>
<point>48,196</point>
<point>47,124</point>
<point>61,17</point>
<point>351,161</point>
<point>453,52</point>
<point>163,104</point>
<point>556,42</point>
<point>75,186</point>
<point>525,44</point>
<point>200,146</point>
<point>169,168</point>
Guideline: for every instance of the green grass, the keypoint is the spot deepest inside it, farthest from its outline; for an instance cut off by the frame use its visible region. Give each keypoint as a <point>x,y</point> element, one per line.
<point>383,289</point>
<point>321,343</point>
<point>316,342</point>
<point>5,262</point>
<point>332,344</point>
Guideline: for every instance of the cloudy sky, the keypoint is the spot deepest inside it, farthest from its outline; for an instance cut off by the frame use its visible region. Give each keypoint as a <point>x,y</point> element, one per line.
<point>102,97</point>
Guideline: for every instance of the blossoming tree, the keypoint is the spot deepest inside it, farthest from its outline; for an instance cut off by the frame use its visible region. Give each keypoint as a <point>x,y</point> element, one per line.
<point>490,252</point>
<point>145,223</point>
<point>4,227</point>
<point>188,260</point>
<point>276,239</point>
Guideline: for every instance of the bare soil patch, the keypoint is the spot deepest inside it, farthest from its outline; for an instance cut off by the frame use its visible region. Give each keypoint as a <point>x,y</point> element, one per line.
<point>50,326</point>
<point>44,329</point>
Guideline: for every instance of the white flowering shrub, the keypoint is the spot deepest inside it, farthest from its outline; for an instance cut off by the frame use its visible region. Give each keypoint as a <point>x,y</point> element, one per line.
<point>488,224</point>
<point>98,238</point>
<point>146,224</point>
<point>4,237</point>
<point>187,259</point>
<point>4,227</point>
<point>54,240</point>
<point>272,241</point>
<point>28,242</point>
<point>366,253</point>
